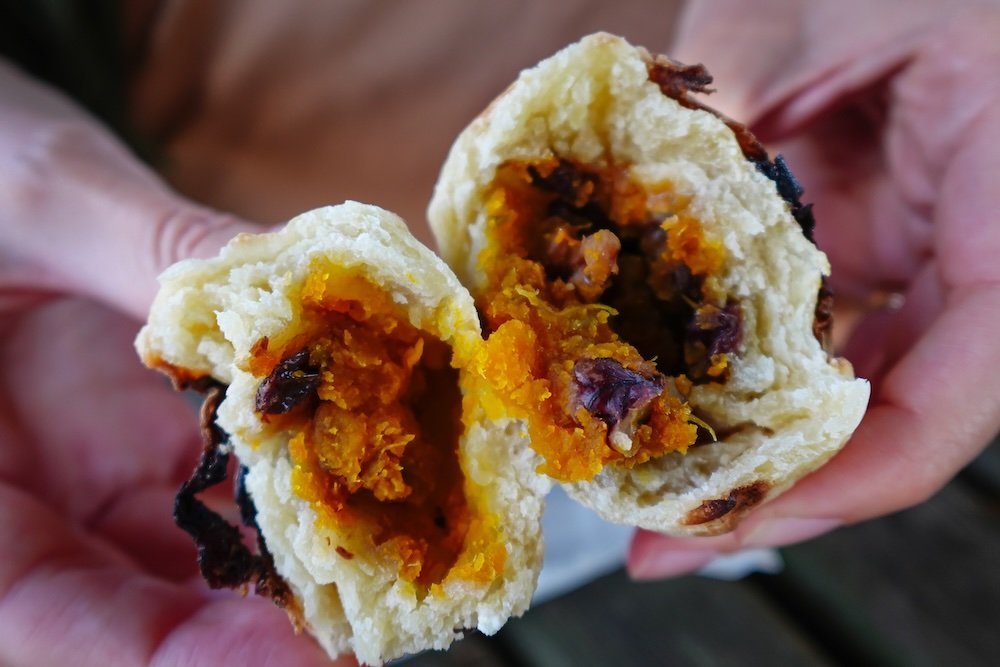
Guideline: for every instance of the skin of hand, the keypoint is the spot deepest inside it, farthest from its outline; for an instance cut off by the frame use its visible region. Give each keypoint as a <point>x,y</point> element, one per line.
<point>92,445</point>
<point>889,114</point>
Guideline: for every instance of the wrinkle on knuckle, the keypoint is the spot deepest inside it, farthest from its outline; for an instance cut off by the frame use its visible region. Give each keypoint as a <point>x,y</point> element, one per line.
<point>179,234</point>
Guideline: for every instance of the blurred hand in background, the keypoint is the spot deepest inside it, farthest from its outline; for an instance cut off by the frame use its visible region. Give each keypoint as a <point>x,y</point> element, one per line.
<point>889,113</point>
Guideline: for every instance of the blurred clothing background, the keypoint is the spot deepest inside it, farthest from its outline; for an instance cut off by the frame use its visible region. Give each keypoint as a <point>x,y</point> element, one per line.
<point>267,109</point>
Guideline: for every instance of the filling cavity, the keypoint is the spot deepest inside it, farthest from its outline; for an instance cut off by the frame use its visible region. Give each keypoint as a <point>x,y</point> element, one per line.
<point>600,313</point>
<point>375,409</point>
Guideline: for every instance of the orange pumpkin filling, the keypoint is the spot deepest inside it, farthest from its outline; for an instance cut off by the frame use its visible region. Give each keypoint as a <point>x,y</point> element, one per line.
<point>375,409</point>
<point>598,314</point>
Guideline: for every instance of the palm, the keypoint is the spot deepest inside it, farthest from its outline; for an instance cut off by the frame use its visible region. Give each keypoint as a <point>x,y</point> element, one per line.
<point>94,446</point>
<point>102,440</point>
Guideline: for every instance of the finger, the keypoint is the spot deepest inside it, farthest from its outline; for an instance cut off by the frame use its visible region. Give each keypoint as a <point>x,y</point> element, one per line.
<point>139,522</point>
<point>240,632</point>
<point>94,422</point>
<point>117,246</point>
<point>655,556</point>
<point>910,443</point>
<point>883,337</point>
<point>172,233</point>
<point>780,63</point>
<point>741,44</point>
<point>876,236</point>
<point>66,599</point>
<point>937,405</point>
<point>80,213</point>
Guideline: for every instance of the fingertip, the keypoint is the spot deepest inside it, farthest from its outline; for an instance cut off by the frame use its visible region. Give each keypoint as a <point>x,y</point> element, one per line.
<point>185,231</point>
<point>779,532</point>
<point>654,556</point>
<point>237,631</point>
<point>668,563</point>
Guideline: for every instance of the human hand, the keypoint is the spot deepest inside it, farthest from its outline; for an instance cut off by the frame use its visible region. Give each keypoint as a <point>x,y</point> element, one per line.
<point>889,114</point>
<point>92,445</point>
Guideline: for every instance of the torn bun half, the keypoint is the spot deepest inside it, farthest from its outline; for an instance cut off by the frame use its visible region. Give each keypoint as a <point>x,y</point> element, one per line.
<point>656,312</point>
<point>395,513</point>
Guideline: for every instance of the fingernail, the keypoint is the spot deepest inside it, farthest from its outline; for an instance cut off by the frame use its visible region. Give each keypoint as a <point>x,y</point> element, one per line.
<point>779,532</point>
<point>668,563</point>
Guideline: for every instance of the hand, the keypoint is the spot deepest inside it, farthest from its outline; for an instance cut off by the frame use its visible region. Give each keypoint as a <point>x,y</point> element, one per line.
<point>93,445</point>
<point>889,113</point>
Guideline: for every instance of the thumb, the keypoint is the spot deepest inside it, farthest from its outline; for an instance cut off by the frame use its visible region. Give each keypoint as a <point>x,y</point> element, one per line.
<point>779,64</point>
<point>114,251</point>
<point>79,213</point>
<point>122,267</point>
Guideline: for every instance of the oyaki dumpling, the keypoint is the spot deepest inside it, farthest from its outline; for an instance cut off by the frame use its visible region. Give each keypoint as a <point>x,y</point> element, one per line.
<point>395,513</point>
<point>655,310</point>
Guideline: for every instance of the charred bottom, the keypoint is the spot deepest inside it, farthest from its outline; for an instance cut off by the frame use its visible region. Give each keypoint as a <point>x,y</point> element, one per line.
<point>738,501</point>
<point>223,558</point>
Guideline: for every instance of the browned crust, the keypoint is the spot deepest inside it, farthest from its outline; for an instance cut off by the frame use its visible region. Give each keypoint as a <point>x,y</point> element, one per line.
<point>223,559</point>
<point>728,510</point>
<point>823,317</point>
<point>181,378</point>
<point>678,81</point>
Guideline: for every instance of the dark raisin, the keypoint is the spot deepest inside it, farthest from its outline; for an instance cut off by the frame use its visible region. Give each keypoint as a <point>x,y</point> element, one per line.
<point>567,182</point>
<point>653,241</point>
<point>291,382</point>
<point>654,325</point>
<point>739,501</point>
<point>440,520</point>
<point>823,316</point>
<point>790,190</point>
<point>609,391</point>
<point>224,561</point>
<point>712,331</point>
<point>676,80</point>
<point>719,329</point>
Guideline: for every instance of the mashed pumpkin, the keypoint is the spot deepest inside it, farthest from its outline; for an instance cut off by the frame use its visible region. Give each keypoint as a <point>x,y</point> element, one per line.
<point>376,410</point>
<point>597,314</point>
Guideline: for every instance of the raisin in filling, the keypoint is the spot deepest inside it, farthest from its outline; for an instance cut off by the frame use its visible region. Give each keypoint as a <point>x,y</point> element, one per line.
<point>584,265</point>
